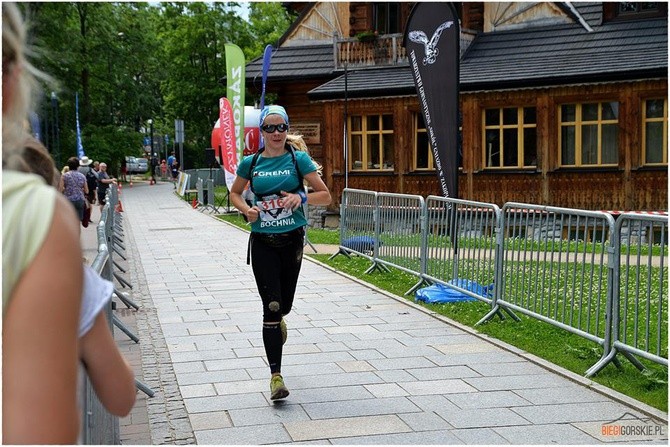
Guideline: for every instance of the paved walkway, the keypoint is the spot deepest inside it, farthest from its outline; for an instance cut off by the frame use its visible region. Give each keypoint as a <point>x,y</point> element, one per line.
<point>362,366</point>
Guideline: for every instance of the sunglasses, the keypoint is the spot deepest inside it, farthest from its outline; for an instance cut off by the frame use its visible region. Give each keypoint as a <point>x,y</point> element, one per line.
<point>270,128</point>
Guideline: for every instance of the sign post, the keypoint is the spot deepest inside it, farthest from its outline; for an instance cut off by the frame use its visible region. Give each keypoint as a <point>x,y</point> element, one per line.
<point>179,139</point>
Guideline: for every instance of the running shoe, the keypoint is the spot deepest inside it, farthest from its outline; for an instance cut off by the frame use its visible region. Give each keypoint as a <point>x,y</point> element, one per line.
<point>284,331</point>
<point>277,388</point>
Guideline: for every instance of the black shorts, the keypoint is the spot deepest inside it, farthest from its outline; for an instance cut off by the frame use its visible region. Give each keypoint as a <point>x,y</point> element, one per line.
<point>102,195</point>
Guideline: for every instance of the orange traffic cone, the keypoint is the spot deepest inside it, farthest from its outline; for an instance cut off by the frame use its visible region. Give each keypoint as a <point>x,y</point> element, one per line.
<point>194,204</point>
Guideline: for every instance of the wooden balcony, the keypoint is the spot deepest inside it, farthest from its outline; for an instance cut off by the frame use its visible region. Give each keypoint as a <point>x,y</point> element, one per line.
<point>383,51</point>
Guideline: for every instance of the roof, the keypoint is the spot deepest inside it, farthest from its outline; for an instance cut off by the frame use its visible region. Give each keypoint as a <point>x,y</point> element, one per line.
<point>542,56</point>
<point>296,62</point>
<point>592,12</point>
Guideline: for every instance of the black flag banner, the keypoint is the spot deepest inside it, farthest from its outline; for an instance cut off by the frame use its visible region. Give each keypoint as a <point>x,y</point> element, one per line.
<point>432,39</point>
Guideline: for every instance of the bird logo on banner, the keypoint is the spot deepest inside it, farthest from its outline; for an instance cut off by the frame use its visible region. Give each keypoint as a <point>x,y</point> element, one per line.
<point>430,47</point>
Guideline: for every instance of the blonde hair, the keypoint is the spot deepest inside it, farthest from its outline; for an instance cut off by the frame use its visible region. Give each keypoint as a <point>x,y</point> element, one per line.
<point>19,75</point>
<point>298,143</point>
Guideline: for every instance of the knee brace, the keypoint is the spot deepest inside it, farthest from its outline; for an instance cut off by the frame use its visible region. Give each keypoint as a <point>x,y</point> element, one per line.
<point>272,312</point>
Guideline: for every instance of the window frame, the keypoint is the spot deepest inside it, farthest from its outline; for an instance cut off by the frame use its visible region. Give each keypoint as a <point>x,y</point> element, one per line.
<point>645,121</point>
<point>383,10</point>
<point>418,117</point>
<point>578,124</point>
<point>520,127</point>
<point>364,133</point>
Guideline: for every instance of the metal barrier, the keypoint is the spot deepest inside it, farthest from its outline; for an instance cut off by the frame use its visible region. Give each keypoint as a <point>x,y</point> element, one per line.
<point>574,269</point>
<point>556,267</point>
<point>358,224</point>
<point>400,221</point>
<point>205,195</point>
<point>98,426</point>
<point>639,325</point>
<point>216,174</point>
<point>460,244</point>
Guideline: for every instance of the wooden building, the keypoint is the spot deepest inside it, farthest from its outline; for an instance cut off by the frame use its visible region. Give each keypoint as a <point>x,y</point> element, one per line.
<point>562,104</point>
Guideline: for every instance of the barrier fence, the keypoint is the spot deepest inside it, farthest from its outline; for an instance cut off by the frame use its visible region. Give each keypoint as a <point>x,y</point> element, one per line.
<point>99,427</point>
<point>581,271</point>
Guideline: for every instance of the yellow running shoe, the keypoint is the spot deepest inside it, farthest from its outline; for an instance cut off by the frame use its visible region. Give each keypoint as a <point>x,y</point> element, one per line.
<point>277,388</point>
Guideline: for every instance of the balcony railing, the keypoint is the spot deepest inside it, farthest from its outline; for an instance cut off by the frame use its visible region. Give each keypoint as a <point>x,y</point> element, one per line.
<point>383,51</point>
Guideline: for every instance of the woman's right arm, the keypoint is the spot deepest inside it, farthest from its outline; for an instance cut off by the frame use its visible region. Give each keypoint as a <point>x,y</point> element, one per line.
<point>236,191</point>
<point>111,376</point>
<point>40,347</point>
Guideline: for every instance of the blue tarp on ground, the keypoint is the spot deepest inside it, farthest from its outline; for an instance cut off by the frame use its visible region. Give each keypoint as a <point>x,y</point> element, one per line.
<point>439,293</point>
<point>360,244</point>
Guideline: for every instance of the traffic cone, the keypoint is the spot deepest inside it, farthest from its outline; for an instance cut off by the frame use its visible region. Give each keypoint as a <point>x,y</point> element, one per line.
<point>194,204</point>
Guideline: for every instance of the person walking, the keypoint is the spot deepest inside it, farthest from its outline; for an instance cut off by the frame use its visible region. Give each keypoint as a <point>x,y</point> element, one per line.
<point>275,178</point>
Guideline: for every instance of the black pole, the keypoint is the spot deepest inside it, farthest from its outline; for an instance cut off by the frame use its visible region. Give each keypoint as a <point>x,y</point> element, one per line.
<point>346,131</point>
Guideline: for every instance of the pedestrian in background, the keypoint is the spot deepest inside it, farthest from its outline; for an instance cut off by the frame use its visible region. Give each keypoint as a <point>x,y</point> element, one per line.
<point>89,169</point>
<point>124,169</point>
<point>39,329</point>
<point>171,159</point>
<point>275,178</point>
<point>75,188</point>
<point>153,165</point>
<point>104,180</point>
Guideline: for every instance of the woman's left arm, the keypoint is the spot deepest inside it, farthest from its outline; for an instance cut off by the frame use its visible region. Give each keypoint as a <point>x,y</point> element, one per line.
<point>320,194</point>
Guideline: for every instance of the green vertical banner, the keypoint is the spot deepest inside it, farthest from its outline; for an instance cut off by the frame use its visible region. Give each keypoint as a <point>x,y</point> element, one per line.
<point>235,93</point>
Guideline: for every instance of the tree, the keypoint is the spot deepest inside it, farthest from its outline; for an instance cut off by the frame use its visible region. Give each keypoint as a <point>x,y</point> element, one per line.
<point>133,61</point>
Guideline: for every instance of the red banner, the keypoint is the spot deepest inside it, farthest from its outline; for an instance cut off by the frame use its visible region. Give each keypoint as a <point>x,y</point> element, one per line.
<point>227,145</point>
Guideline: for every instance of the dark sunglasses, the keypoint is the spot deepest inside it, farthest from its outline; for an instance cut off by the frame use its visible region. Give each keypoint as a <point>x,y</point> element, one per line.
<point>270,128</point>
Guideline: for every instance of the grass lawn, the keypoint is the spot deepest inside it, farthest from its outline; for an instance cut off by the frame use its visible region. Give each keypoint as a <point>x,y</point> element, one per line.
<point>555,345</point>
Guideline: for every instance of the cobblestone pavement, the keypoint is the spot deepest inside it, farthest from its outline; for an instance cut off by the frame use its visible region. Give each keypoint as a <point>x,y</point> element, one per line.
<point>363,367</point>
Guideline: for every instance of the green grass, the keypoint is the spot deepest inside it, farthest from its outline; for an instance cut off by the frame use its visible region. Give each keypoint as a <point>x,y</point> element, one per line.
<point>553,344</point>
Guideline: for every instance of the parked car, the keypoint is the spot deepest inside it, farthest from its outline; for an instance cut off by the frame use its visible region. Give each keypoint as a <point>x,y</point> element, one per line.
<point>136,165</point>
<point>142,165</point>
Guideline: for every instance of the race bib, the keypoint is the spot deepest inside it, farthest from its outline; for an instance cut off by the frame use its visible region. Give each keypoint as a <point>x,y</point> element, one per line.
<point>272,209</point>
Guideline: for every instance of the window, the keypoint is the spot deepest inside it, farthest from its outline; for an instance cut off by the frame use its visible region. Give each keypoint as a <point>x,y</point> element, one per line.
<point>510,137</point>
<point>618,11</point>
<point>423,154</point>
<point>655,131</point>
<point>371,142</point>
<point>386,17</point>
<point>589,134</point>
<point>637,7</point>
